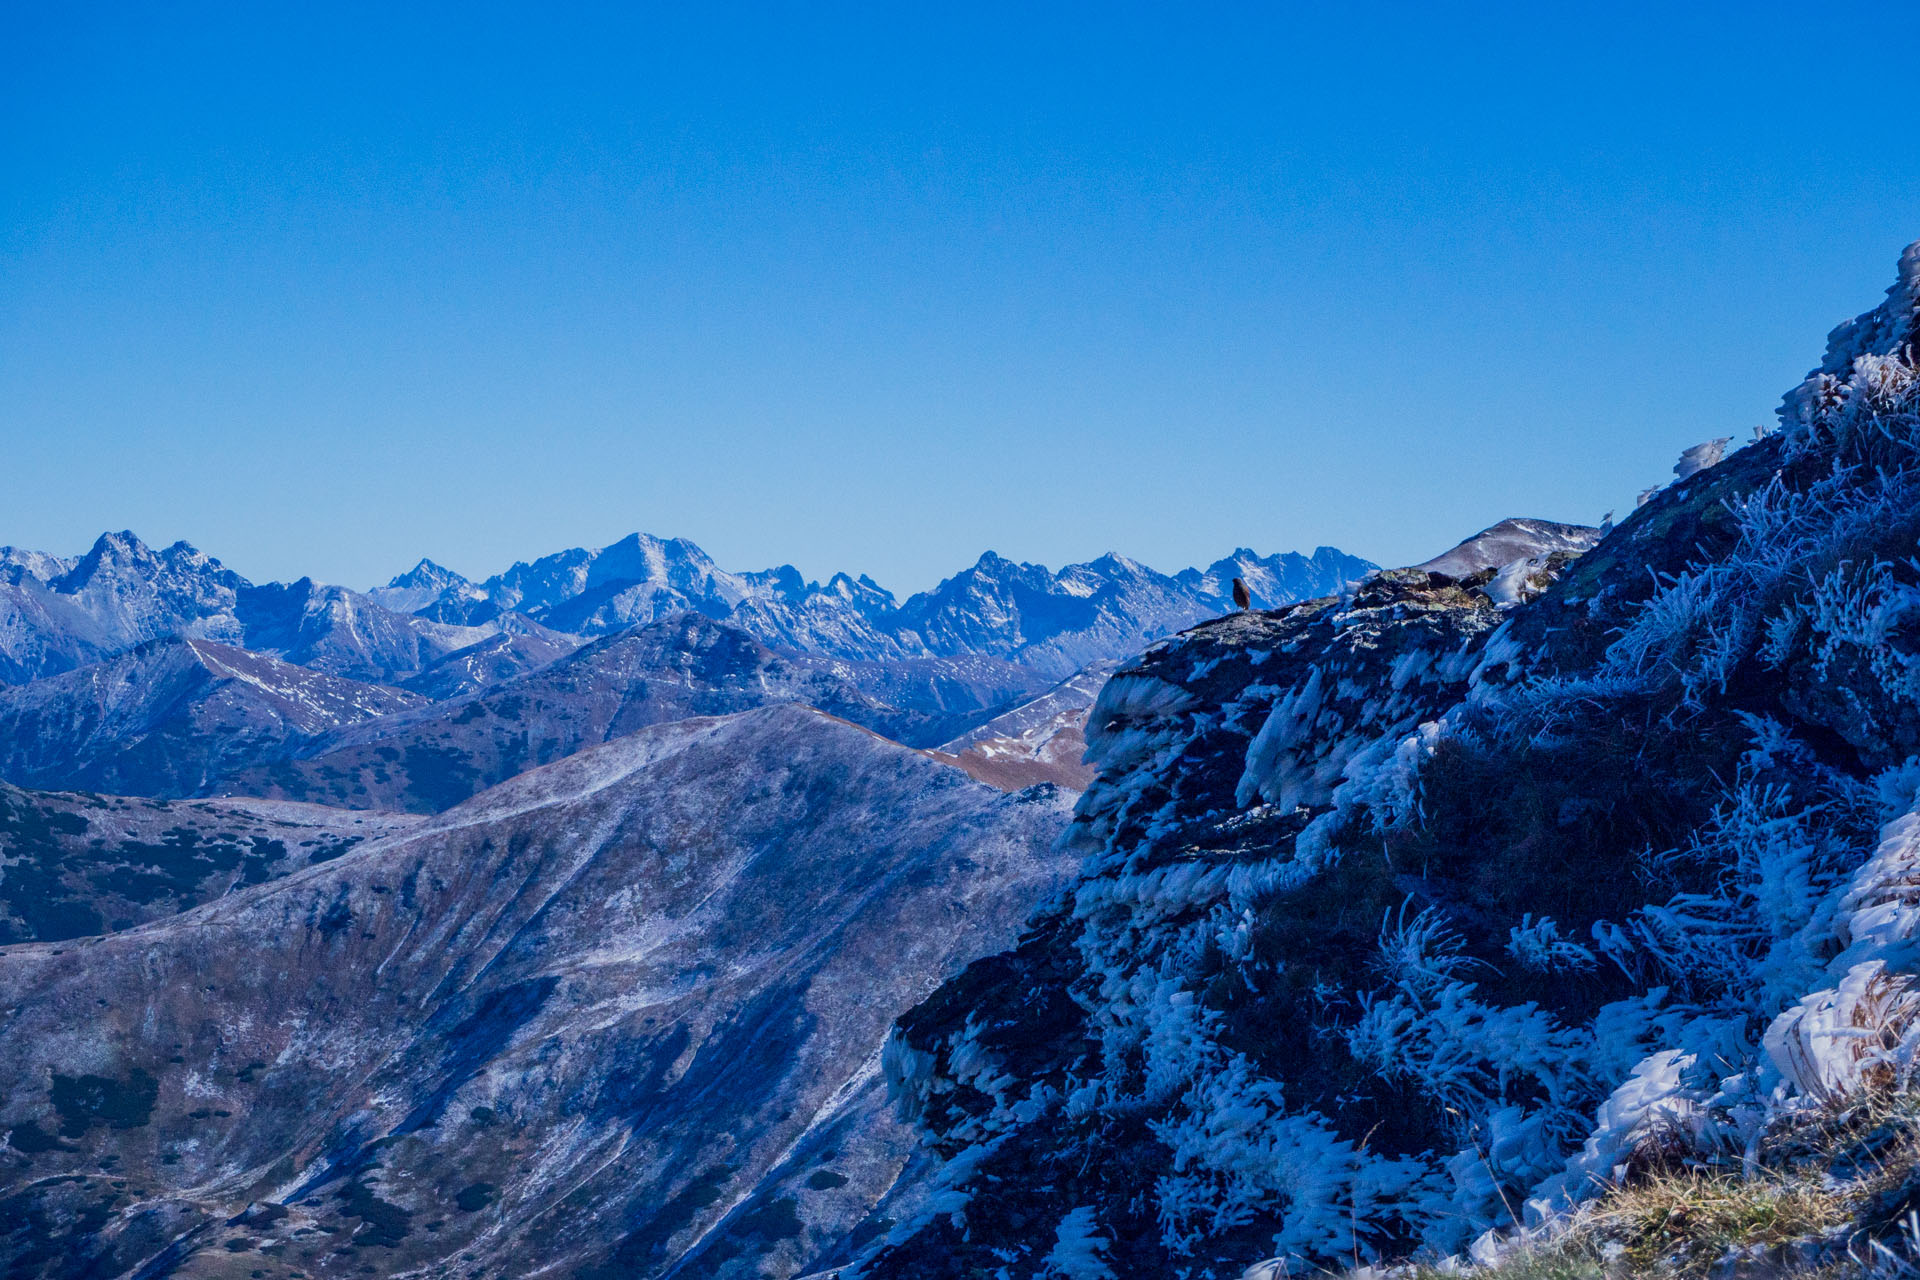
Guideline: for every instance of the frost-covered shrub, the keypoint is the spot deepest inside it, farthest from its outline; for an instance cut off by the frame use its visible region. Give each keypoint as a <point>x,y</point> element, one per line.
<point>1079,1250</point>
<point>1539,945</point>
<point>1760,932</point>
<point>1237,1152</point>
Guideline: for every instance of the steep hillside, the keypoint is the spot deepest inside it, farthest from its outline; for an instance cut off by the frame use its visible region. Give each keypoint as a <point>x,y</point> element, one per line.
<point>167,717</point>
<point>688,665</point>
<point>1040,740</point>
<point>1416,917</point>
<point>617,1018</point>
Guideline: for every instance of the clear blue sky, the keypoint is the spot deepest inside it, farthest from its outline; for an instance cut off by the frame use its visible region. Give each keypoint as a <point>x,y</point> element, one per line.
<point>322,289</point>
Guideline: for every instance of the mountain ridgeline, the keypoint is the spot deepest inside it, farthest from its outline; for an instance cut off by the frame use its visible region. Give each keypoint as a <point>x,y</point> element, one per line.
<point>162,673</point>
<point>57,614</point>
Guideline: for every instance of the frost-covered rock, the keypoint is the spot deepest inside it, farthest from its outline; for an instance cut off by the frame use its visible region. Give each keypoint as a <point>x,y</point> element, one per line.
<point>1412,918</point>
<point>1509,542</point>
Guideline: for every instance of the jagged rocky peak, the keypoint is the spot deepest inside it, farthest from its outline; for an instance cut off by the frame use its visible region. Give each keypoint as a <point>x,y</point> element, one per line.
<point>637,559</point>
<point>428,574</point>
<point>863,590</point>
<point>783,583</point>
<point>121,562</point>
<point>145,593</point>
<point>422,585</point>
<point>37,565</point>
<point>678,563</point>
<point>1279,579</point>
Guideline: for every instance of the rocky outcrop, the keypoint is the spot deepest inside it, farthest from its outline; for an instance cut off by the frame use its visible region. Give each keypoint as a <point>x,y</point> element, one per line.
<point>1510,541</point>
<point>1414,917</point>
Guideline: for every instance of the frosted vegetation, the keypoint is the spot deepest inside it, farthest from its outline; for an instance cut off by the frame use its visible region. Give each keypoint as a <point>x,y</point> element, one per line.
<point>1411,921</point>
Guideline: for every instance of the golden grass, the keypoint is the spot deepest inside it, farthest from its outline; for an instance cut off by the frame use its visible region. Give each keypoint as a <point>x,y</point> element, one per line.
<point>1682,1224</point>
<point>1833,1175</point>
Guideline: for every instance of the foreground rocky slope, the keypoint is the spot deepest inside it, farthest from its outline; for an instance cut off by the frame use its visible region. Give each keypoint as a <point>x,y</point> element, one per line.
<point>1415,917</point>
<point>619,1017</point>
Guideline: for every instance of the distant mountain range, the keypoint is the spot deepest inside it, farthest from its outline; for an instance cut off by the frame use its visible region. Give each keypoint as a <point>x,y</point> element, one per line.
<point>57,614</point>
<point>1051,622</point>
<point>164,673</point>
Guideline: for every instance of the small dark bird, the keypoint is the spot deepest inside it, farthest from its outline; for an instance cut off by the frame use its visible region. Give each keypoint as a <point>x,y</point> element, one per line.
<point>1241,600</point>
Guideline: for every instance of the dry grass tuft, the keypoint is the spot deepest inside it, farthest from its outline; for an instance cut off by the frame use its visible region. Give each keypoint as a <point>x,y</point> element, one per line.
<point>1841,1183</point>
<point>1682,1224</point>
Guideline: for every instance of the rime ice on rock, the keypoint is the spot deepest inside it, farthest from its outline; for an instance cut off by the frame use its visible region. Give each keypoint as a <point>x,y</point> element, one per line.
<point>1408,918</point>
